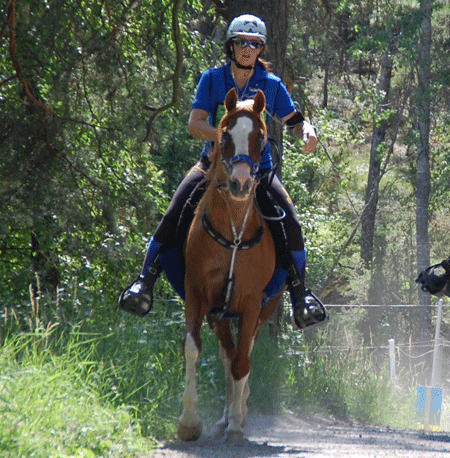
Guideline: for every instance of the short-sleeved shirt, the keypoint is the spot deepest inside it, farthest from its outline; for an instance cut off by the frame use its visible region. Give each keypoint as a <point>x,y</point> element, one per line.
<point>214,85</point>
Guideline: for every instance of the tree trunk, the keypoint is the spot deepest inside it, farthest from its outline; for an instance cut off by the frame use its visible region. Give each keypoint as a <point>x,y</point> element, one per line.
<point>374,176</point>
<point>326,68</point>
<point>368,216</point>
<point>275,14</point>
<point>423,159</point>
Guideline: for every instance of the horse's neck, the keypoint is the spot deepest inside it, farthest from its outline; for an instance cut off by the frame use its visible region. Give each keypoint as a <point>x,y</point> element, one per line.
<point>221,210</point>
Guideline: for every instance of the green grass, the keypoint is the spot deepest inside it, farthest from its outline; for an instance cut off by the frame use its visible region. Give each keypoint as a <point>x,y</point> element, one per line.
<point>109,388</point>
<point>54,405</point>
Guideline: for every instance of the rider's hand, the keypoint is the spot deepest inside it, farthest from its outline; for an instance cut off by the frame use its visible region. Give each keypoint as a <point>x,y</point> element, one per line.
<point>309,137</point>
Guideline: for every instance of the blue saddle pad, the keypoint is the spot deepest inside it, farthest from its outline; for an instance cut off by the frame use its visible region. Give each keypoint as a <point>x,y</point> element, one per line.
<point>172,262</point>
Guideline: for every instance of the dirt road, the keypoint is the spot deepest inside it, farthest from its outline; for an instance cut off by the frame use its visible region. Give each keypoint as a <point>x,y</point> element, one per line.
<point>289,437</point>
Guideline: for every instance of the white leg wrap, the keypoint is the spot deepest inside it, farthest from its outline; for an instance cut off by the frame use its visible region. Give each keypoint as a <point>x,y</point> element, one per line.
<point>236,415</point>
<point>189,416</point>
<point>229,386</point>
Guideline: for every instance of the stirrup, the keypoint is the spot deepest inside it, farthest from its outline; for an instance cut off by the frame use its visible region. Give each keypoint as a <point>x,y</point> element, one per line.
<point>435,284</point>
<point>310,313</point>
<point>137,298</point>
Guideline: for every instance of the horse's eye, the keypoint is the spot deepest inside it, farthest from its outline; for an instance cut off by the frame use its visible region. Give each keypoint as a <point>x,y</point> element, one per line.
<point>262,142</point>
<point>226,145</point>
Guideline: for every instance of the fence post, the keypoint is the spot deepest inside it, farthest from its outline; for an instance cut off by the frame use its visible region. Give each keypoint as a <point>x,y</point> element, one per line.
<point>435,369</point>
<point>392,362</point>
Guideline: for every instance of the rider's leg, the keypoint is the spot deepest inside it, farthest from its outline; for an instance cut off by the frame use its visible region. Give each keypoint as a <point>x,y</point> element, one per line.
<point>308,311</point>
<point>138,297</point>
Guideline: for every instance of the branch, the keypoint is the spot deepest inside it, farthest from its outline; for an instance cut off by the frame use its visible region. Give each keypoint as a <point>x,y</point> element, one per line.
<point>176,88</point>
<point>222,8</point>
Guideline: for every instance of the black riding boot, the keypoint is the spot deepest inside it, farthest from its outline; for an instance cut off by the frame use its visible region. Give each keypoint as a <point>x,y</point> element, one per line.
<point>308,311</point>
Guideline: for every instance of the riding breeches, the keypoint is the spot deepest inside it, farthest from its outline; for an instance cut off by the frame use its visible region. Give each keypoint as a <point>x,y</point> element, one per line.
<point>291,224</point>
<point>166,231</point>
<point>167,228</point>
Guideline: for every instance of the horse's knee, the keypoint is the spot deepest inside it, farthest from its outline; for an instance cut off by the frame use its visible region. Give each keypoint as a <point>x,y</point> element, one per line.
<point>192,338</point>
<point>191,346</point>
<point>240,367</point>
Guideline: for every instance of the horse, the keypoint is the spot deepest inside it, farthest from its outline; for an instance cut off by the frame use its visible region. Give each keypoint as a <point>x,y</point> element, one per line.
<point>230,258</point>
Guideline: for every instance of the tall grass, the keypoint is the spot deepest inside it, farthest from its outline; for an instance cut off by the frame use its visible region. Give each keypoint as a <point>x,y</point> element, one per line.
<point>108,387</point>
<point>54,405</point>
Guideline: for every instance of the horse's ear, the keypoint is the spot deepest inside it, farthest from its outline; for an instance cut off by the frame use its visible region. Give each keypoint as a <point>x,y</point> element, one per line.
<point>260,101</point>
<point>231,99</point>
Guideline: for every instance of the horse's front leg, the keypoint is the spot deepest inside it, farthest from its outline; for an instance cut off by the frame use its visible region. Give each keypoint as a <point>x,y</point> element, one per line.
<point>189,424</point>
<point>240,370</point>
<point>227,352</point>
<point>246,392</point>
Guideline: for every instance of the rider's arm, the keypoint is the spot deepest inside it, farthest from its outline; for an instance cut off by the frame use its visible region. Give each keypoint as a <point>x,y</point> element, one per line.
<point>199,127</point>
<point>303,129</point>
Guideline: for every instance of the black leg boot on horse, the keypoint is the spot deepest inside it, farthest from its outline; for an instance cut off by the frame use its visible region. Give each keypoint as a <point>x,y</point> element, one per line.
<point>308,311</point>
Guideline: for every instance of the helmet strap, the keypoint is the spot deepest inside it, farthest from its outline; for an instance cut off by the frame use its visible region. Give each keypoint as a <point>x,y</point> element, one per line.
<point>238,65</point>
<point>243,67</point>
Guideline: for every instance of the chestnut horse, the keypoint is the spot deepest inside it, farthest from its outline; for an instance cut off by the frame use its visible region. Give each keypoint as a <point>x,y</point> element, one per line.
<point>230,259</point>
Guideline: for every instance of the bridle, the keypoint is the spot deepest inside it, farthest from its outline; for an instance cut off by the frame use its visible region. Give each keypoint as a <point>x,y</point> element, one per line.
<point>254,167</point>
<point>237,243</point>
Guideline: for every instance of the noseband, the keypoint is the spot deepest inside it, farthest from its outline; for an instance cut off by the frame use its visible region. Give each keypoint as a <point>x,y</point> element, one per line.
<point>247,159</point>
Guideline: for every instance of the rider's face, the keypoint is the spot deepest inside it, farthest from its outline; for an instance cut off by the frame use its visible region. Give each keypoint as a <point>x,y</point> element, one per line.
<point>246,55</point>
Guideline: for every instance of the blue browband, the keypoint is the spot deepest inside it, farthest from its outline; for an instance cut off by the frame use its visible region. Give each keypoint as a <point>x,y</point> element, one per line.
<point>247,159</point>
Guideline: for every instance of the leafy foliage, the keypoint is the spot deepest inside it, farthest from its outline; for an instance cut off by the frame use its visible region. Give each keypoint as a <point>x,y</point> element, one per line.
<point>90,158</point>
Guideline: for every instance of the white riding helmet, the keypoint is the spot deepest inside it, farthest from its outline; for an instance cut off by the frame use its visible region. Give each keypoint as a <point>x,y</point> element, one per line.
<point>248,25</point>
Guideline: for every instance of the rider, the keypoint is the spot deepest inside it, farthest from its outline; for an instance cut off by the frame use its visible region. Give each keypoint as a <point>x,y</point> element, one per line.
<point>247,72</point>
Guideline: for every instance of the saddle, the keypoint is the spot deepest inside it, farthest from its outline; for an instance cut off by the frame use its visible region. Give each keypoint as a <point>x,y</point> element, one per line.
<point>172,260</point>
<point>268,208</point>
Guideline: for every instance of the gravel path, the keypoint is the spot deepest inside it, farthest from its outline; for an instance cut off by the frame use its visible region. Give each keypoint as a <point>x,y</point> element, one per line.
<point>289,437</point>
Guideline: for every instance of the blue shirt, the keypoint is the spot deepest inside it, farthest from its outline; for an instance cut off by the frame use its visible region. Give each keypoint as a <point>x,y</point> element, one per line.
<point>214,85</point>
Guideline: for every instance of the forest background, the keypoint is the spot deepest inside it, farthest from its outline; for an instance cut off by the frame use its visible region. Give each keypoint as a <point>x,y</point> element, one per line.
<point>94,102</point>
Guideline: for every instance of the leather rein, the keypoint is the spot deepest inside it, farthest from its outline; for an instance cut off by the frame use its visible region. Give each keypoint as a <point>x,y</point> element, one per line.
<point>237,243</point>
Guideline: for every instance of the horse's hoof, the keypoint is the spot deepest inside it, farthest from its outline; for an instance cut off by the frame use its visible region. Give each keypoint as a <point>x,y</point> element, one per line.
<point>235,437</point>
<point>219,430</point>
<point>189,433</point>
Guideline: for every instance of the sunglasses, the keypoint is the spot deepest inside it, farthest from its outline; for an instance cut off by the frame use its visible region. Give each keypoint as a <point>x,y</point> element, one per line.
<point>244,43</point>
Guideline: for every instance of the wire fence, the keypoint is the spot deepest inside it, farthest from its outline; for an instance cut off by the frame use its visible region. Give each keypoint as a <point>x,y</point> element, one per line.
<point>413,356</point>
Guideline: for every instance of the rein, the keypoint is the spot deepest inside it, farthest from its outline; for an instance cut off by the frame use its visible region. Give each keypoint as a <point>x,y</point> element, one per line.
<point>231,103</point>
<point>233,245</point>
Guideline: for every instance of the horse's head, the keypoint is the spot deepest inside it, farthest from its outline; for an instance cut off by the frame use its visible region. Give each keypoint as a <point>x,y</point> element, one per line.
<point>242,137</point>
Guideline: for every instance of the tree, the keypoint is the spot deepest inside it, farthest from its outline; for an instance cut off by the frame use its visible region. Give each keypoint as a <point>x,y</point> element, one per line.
<point>275,14</point>
<point>423,182</point>
<point>375,161</point>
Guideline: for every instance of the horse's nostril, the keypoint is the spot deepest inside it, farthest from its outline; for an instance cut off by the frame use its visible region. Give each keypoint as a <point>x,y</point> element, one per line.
<point>239,190</point>
<point>235,186</point>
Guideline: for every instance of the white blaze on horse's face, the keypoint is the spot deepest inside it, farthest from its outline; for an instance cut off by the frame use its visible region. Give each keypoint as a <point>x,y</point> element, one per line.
<point>240,133</point>
<point>240,180</point>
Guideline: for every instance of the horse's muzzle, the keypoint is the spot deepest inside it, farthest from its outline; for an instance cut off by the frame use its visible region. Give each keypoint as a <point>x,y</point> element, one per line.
<point>241,181</point>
